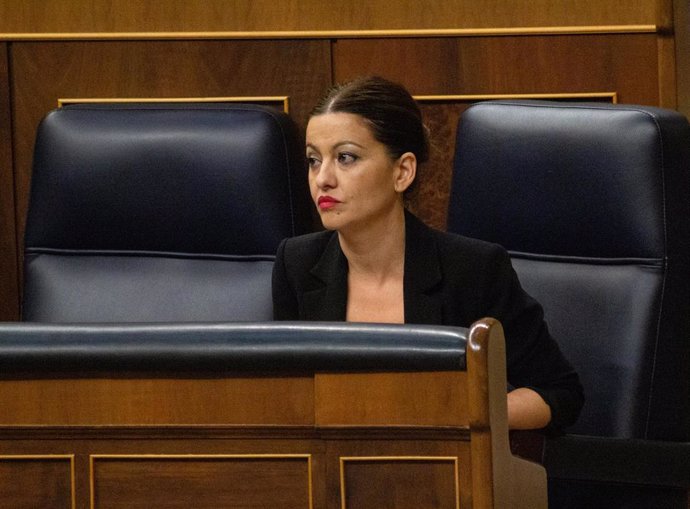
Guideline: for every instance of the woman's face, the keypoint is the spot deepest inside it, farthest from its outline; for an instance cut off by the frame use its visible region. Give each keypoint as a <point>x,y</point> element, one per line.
<point>353,179</point>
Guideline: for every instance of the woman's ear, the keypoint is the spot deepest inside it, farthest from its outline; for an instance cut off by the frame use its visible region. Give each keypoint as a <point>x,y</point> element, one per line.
<point>406,171</point>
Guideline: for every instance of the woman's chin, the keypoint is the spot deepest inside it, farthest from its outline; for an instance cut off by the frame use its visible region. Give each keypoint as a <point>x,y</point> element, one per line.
<point>330,224</point>
<point>331,221</point>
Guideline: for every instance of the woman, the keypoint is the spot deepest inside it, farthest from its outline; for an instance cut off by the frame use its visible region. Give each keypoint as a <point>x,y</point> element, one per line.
<point>376,262</point>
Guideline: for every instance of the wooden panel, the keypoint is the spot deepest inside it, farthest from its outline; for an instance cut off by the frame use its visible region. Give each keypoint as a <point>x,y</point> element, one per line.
<point>392,398</point>
<point>157,401</point>
<point>399,482</point>
<point>202,482</point>
<point>28,482</point>
<point>429,199</point>
<point>9,299</point>
<point>220,15</point>
<point>153,452</point>
<point>626,64</point>
<point>681,19</point>
<point>164,440</point>
<point>352,464</point>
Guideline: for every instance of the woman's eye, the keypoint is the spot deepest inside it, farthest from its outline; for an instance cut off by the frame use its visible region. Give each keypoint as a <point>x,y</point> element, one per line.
<point>312,161</point>
<point>346,158</point>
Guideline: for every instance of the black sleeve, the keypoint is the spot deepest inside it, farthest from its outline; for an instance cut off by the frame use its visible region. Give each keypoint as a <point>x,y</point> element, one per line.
<point>534,359</point>
<point>285,305</point>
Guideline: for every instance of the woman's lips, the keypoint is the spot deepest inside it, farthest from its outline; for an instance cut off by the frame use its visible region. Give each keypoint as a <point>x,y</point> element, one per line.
<point>327,202</point>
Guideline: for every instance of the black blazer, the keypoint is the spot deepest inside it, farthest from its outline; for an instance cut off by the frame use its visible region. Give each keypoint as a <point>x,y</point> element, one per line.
<point>449,280</point>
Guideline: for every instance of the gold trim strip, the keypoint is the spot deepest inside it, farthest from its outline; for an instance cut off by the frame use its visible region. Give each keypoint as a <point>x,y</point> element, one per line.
<point>284,99</point>
<point>93,457</point>
<point>33,457</point>
<point>36,456</point>
<point>343,459</point>
<point>199,456</point>
<point>74,481</point>
<point>336,34</point>
<point>398,458</point>
<point>489,97</point>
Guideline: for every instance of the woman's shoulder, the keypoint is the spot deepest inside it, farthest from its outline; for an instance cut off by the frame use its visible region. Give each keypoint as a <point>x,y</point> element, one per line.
<point>455,244</point>
<point>455,240</point>
<point>304,249</point>
<point>473,259</point>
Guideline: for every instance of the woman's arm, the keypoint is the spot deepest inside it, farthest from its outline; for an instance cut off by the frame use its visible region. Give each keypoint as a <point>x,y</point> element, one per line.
<point>527,410</point>
<point>548,391</point>
<point>285,305</point>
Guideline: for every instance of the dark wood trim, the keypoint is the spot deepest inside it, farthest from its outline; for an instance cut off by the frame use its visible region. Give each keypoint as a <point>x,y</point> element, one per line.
<point>9,285</point>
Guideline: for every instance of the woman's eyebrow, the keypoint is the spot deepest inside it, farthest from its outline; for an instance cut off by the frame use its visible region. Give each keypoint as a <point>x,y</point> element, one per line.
<point>349,142</point>
<point>339,144</point>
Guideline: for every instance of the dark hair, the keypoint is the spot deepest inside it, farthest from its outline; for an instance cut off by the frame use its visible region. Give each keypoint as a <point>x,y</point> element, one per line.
<point>389,109</point>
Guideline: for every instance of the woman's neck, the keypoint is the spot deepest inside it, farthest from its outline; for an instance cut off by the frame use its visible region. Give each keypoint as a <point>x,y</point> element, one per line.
<point>378,248</point>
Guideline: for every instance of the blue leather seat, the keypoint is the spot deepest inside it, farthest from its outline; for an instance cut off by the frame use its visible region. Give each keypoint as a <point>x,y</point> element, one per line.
<point>160,212</point>
<point>592,201</point>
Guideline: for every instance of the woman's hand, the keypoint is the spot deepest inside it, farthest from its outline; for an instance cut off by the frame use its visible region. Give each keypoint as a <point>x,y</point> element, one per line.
<point>527,410</point>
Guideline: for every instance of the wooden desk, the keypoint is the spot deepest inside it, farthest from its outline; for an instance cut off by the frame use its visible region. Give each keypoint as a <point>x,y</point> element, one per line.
<point>309,440</point>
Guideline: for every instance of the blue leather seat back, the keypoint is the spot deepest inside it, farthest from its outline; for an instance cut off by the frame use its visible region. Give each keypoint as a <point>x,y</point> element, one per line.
<point>160,212</point>
<point>592,202</point>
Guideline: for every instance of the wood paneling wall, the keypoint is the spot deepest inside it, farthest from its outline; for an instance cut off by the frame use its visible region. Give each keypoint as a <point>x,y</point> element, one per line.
<point>681,22</point>
<point>9,292</point>
<point>509,65</point>
<point>38,16</point>
<point>132,49</point>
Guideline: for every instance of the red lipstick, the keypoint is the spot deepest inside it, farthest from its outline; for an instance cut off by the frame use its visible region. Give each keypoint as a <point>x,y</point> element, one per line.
<point>327,202</point>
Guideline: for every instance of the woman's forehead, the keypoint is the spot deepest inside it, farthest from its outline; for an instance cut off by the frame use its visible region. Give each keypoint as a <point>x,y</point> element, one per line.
<point>333,128</point>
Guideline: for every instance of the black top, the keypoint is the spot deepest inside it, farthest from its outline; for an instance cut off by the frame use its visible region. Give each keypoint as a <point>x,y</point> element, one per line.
<point>449,280</point>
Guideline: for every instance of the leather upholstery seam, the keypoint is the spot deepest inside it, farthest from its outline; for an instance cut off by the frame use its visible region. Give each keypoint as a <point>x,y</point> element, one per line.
<point>663,280</point>
<point>31,251</point>
<point>652,262</point>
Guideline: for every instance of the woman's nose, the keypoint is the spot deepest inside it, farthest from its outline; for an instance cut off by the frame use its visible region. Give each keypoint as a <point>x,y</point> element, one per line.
<point>325,178</point>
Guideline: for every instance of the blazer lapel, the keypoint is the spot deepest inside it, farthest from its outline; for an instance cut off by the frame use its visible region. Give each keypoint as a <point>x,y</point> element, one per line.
<point>422,280</point>
<point>328,300</point>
